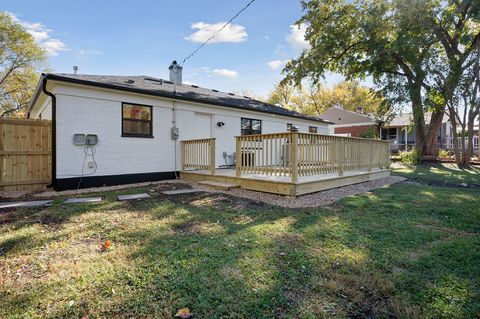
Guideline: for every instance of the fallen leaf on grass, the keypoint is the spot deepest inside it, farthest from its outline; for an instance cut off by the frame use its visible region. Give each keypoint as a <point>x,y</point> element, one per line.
<point>184,313</point>
<point>106,245</point>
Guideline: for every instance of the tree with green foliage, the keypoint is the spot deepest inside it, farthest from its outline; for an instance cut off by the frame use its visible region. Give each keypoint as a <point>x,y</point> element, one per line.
<point>456,26</point>
<point>20,61</point>
<point>315,99</point>
<point>378,38</point>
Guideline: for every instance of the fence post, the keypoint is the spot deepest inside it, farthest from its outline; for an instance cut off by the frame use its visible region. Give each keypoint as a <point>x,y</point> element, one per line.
<point>341,156</point>
<point>294,156</point>
<point>238,157</point>
<point>212,156</point>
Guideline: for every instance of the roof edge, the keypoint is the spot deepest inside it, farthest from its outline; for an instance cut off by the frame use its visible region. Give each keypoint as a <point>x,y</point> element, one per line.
<point>57,77</point>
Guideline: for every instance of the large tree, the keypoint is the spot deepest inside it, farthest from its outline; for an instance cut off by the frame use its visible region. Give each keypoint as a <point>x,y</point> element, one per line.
<point>20,60</point>
<point>456,25</point>
<point>379,38</point>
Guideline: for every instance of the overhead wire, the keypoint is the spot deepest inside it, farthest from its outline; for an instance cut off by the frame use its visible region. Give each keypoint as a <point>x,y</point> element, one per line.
<point>215,34</point>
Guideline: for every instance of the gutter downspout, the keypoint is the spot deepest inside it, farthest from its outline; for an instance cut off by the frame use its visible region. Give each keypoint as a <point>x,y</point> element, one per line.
<point>54,131</point>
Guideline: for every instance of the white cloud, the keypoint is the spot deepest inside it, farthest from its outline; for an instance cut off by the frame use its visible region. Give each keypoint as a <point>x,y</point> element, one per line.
<point>296,37</point>
<point>233,33</point>
<point>225,73</point>
<point>53,46</point>
<point>41,35</point>
<point>275,64</point>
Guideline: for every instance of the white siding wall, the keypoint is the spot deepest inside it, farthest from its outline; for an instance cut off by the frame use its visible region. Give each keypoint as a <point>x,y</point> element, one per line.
<point>45,111</point>
<point>92,111</point>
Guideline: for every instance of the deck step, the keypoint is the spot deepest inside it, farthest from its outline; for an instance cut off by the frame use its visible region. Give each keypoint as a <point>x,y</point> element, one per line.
<point>218,185</point>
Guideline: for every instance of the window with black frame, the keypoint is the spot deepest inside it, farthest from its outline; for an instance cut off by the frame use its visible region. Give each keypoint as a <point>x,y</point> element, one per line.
<point>136,120</point>
<point>251,126</point>
<point>289,127</point>
<point>312,129</point>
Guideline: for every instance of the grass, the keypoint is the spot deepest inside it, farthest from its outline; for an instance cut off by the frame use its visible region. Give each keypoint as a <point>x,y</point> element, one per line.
<point>404,251</point>
<point>445,174</point>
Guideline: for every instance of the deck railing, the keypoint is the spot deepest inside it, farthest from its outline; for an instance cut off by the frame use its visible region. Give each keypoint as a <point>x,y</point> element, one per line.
<point>305,154</point>
<point>198,155</point>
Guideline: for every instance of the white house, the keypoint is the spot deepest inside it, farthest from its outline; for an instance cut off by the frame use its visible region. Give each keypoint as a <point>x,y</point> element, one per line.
<point>135,123</point>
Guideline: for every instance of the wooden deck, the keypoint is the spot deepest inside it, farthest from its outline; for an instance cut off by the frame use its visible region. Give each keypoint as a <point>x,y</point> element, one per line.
<point>289,163</point>
<point>283,184</point>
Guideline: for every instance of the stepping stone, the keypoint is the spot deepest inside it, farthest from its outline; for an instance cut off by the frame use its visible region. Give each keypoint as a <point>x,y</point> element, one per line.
<point>181,191</point>
<point>134,196</point>
<point>217,185</point>
<point>35,203</point>
<point>83,200</point>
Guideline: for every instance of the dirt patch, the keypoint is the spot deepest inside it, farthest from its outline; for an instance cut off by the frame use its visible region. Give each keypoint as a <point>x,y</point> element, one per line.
<point>8,215</point>
<point>170,187</point>
<point>50,220</point>
<point>216,201</point>
<point>291,240</point>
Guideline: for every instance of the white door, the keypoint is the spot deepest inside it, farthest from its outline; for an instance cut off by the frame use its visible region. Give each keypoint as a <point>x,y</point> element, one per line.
<point>203,125</point>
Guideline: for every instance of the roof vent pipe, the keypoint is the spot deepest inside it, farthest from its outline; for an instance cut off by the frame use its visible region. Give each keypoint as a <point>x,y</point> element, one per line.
<point>175,72</point>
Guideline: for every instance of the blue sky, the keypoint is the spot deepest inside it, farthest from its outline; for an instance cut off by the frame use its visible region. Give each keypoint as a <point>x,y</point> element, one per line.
<point>143,37</point>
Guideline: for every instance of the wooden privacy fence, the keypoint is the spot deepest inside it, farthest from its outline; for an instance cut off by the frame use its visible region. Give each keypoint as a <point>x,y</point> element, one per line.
<point>198,155</point>
<point>305,154</point>
<point>25,154</point>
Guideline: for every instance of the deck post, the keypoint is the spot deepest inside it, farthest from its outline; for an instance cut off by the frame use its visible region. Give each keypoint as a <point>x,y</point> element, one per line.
<point>341,156</point>
<point>294,156</point>
<point>212,156</point>
<point>182,156</point>
<point>238,157</point>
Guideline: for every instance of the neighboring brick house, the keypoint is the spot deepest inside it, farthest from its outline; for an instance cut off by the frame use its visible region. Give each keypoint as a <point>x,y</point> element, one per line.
<point>350,123</point>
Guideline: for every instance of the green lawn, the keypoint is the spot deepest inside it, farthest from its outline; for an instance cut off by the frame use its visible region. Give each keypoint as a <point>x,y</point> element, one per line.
<point>440,174</point>
<point>405,251</point>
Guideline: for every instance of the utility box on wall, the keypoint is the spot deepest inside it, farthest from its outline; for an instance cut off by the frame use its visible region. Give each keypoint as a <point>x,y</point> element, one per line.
<point>174,133</point>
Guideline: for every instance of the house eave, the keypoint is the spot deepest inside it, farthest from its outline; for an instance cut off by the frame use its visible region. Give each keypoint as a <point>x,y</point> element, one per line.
<point>172,96</point>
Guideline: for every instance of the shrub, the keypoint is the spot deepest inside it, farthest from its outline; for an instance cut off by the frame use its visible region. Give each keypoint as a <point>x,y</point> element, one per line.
<point>444,153</point>
<point>410,157</point>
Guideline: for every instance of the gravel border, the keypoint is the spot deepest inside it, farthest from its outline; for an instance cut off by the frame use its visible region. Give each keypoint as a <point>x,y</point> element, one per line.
<point>323,198</point>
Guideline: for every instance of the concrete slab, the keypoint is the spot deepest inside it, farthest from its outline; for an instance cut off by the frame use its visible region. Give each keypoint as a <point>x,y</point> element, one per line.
<point>181,191</point>
<point>133,196</point>
<point>35,203</point>
<point>83,200</point>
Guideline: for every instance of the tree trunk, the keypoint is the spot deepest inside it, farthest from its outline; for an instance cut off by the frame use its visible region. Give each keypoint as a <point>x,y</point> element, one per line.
<point>456,150</point>
<point>432,132</point>
<point>418,116</point>
<point>470,133</point>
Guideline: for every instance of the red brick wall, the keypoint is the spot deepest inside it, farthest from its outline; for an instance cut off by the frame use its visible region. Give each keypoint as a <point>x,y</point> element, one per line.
<point>354,131</point>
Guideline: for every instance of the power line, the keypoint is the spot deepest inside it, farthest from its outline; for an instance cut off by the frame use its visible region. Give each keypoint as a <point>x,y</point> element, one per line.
<point>216,32</point>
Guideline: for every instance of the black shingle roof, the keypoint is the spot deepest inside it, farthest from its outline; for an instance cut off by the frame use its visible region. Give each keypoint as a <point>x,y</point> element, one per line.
<point>158,87</point>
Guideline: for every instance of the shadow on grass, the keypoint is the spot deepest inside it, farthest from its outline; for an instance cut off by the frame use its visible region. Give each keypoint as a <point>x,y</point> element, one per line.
<point>228,257</point>
<point>444,175</point>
